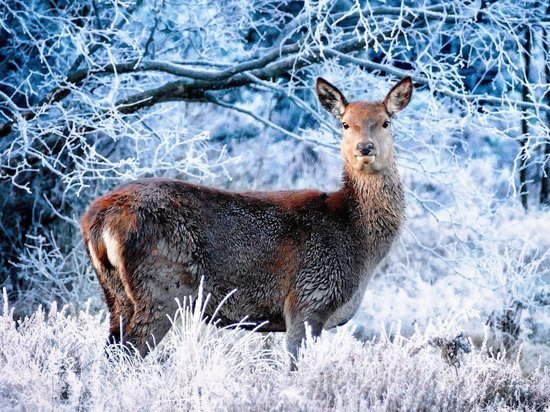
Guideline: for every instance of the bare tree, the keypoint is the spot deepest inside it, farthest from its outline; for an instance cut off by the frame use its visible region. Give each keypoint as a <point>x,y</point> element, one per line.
<point>545,175</point>
<point>91,92</point>
<point>524,141</point>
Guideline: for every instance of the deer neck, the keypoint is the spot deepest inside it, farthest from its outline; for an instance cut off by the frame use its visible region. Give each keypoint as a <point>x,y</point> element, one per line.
<point>377,200</point>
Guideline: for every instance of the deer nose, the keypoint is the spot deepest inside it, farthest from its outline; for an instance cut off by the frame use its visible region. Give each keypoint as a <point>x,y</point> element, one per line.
<point>365,148</point>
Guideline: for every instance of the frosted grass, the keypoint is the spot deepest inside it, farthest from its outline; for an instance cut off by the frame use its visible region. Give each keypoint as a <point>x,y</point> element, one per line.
<point>56,361</point>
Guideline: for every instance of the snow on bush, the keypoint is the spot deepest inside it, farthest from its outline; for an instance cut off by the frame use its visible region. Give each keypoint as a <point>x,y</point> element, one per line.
<point>56,361</point>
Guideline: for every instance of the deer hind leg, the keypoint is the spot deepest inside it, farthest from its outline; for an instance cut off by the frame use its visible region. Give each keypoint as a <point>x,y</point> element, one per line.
<point>121,307</point>
<point>151,321</point>
<point>105,253</point>
<point>159,282</point>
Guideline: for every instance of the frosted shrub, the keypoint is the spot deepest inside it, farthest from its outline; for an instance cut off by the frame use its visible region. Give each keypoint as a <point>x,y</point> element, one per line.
<point>56,275</point>
<point>53,360</point>
<point>48,359</point>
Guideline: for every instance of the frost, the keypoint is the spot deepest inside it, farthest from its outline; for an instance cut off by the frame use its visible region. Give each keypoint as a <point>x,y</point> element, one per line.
<point>93,94</point>
<point>54,360</point>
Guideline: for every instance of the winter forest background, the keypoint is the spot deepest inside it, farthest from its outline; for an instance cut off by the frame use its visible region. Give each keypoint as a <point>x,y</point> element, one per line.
<point>94,93</point>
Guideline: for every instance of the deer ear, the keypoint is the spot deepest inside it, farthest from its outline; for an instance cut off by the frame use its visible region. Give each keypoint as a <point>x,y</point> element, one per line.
<point>331,98</point>
<point>399,96</point>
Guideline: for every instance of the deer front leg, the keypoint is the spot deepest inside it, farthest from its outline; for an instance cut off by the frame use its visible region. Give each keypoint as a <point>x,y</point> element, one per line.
<point>295,327</point>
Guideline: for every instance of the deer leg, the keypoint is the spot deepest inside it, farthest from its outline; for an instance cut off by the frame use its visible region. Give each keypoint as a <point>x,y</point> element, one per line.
<point>120,314</point>
<point>296,329</point>
<point>154,306</point>
<point>150,324</point>
<point>121,307</point>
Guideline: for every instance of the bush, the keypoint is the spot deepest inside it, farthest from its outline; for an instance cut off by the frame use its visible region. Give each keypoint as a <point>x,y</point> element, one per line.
<point>54,360</point>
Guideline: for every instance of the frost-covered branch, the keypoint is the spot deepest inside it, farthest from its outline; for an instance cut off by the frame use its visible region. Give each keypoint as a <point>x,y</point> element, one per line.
<point>97,93</point>
<point>369,27</point>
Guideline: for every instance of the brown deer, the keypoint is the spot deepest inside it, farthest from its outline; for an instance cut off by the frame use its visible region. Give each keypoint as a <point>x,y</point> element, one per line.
<point>292,256</point>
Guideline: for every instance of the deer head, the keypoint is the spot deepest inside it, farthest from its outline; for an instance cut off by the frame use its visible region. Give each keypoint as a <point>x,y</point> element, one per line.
<point>367,142</point>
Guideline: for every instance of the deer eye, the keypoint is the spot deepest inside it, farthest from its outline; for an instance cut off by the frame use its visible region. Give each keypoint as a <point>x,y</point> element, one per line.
<point>386,124</point>
<point>345,125</point>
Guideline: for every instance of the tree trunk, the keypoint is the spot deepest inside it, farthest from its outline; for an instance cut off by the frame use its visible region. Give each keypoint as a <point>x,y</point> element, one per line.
<point>545,178</point>
<point>524,126</point>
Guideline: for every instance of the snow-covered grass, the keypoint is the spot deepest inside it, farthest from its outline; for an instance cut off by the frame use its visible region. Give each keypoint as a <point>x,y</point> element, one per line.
<point>499,268</point>
<point>56,361</point>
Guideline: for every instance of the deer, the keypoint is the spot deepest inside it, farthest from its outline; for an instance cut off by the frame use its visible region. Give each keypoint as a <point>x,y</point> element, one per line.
<point>290,258</point>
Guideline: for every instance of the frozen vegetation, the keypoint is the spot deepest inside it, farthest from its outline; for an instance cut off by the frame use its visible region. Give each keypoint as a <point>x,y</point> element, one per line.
<point>93,94</point>
<point>56,361</point>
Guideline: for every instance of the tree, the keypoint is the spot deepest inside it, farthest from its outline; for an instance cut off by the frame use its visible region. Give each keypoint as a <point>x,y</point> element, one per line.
<point>90,91</point>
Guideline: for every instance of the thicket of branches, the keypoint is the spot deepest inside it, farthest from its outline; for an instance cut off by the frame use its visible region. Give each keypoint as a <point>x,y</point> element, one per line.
<point>96,93</point>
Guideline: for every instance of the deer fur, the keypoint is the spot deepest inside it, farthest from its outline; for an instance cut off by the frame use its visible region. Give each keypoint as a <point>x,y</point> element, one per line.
<point>292,256</point>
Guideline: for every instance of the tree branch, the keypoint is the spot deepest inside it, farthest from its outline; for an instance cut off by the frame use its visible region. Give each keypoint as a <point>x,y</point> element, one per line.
<point>500,101</point>
<point>73,77</point>
<point>194,90</point>
<point>275,63</point>
<point>211,99</point>
<point>255,66</point>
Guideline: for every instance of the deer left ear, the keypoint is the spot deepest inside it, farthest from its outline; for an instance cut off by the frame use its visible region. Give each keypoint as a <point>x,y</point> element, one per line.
<point>399,96</point>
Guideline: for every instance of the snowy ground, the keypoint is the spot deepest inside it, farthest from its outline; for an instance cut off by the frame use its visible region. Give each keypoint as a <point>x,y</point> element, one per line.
<point>54,361</point>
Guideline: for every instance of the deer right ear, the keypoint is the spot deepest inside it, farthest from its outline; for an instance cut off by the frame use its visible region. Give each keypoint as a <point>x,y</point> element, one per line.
<point>331,98</point>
